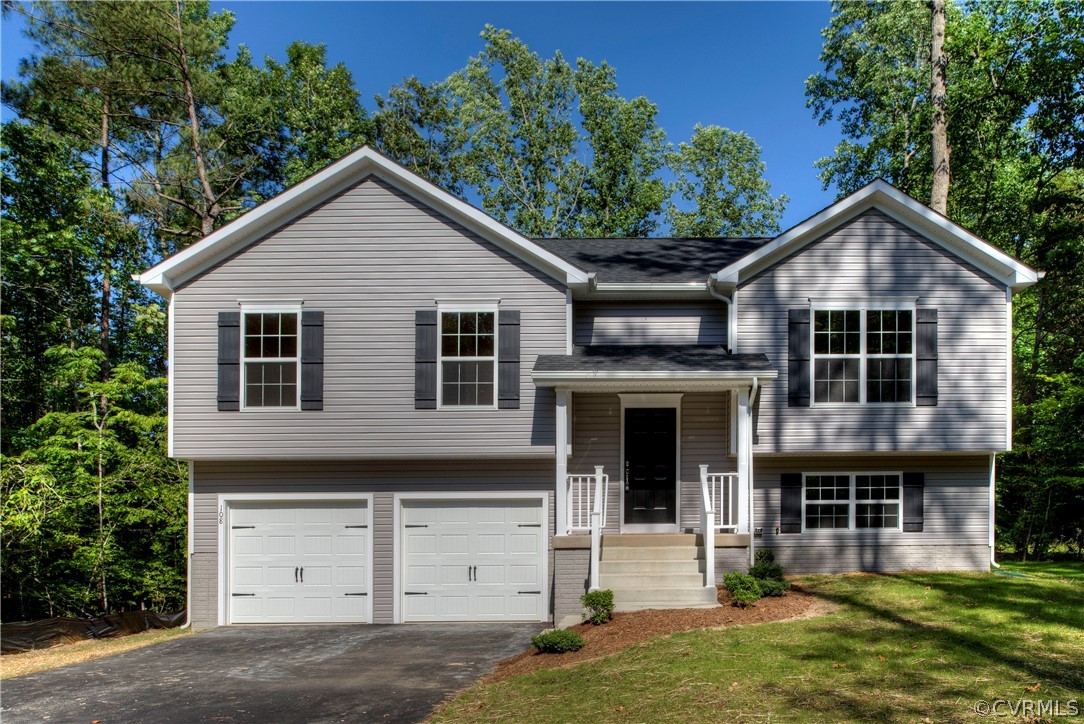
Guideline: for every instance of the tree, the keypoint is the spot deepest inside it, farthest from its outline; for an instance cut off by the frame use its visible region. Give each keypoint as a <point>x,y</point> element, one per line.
<point>623,193</point>
<point>414,125</point>
<point>938,99</point>
<point>513,114</point>
<point>318,111</point>
<point>720,172</point>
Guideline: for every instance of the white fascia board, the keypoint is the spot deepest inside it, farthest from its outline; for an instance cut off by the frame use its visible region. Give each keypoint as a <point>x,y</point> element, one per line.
<point>644,290</point>
<point>903,208</point>
<point>550,379</point>
<point>167,274</point>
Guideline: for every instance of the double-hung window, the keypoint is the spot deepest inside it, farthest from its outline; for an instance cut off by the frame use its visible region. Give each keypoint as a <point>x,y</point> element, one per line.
<point>468,344</point>
<point>270,361</point>
<point>863,355</point>
<point>851,500</point>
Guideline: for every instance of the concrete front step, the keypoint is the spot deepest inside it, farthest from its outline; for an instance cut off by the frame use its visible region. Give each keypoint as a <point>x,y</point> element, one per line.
<point>653,540</point>
<point>651,597</point>
<point>654,553</point>
<point>626,567</point>
<point>616,582</point>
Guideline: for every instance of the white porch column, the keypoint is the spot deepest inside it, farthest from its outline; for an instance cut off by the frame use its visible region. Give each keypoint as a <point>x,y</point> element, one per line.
<point>561,452</point>
<point>745,456</point>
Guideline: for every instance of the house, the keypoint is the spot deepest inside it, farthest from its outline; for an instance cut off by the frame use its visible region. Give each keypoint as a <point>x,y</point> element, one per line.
<point>396,409</point>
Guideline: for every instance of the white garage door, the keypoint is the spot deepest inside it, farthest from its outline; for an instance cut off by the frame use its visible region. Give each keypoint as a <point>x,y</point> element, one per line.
<point>299,562</point>
<point>472,560</point>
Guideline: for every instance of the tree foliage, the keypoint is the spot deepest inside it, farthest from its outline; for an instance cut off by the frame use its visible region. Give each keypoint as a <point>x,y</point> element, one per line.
<point>720,171</point>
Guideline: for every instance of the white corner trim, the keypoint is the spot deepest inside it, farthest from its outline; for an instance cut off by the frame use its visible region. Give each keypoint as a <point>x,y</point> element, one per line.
<point>901,207</point>
<point>171,336</point>
<point>167,274</point>
<point>224,502</point>
<point>1008,370</point>
<point>397,546</point>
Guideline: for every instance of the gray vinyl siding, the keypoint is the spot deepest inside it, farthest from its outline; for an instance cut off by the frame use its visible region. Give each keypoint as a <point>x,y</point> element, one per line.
<point>368,258</point>
<point>381,478</point>
<point>596,440</point>
<point>636,323</point>
<point>956,504</point>
<point>874,256</point>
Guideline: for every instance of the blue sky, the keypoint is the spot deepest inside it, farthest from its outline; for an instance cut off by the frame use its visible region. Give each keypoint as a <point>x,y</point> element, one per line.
<point>734,64</point>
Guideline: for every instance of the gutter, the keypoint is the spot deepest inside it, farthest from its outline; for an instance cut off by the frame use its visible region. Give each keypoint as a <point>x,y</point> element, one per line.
<point>753,393</point>
<point>731,312</point>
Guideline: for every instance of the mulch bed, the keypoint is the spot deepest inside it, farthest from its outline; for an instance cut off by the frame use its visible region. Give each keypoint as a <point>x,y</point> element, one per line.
<point>629,629</point>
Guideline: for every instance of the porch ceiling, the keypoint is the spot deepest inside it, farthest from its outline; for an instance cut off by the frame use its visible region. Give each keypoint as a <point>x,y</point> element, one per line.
<point>651,366</point>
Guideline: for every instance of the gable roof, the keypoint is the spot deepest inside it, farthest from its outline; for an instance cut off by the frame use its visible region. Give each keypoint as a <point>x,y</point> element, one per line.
<point>659,260</point>
<point>173,271</point>
<point>891,201</point>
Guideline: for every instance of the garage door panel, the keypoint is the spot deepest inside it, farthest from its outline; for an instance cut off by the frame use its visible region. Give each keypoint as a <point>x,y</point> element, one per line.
<point>472,558</point>
<point>271,543</point>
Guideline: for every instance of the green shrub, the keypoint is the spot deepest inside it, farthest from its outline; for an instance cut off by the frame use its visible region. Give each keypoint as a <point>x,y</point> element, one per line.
<point>771,587</point>
<point>743,588</point>
<point>557,641</point>
<point>599,605</point>
<point>767,572</point>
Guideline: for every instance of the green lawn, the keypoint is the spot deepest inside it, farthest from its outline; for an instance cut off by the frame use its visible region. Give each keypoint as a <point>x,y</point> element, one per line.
<point>901,647</point>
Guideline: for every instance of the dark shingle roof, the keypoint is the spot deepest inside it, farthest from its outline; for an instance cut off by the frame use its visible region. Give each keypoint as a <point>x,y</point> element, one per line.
<point>652,260</point>
<point>661,358</point>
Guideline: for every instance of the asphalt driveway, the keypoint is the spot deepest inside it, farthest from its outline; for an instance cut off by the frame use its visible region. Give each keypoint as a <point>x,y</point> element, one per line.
<point>272,673</point>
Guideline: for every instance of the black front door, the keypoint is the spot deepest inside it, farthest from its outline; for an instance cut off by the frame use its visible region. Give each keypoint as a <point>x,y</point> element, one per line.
<point>650,458</point>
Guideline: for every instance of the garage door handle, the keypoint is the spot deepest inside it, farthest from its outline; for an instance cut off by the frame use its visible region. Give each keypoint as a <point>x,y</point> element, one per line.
<point>416,525</point>
<point>355,594</point>
<point>539,593</point>
<point>530,525</point>
<point>295,574</point>
<point>239,527</point>
<point>302,574</point>
<point>415,593</point>
<point>357,526</point>
<point>242,594</point>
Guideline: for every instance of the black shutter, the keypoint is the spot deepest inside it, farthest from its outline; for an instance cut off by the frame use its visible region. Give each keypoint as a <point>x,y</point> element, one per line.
<point>508,360</point>
<point>914,489</point>
<point>926,357</point>
<point>798,358</point>
<point>425,359</point>
<point>229,360</point>
<point>312,360</point>
<point>790,503</point>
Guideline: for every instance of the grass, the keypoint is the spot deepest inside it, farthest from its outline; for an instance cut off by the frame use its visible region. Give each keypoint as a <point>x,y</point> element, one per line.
<point>900,647</point>
<point>31,662</point>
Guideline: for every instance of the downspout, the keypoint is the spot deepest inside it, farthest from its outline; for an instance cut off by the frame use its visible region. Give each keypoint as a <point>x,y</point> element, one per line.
<point>993,506</point>
<point>752,487</point>
<point>731,318</point>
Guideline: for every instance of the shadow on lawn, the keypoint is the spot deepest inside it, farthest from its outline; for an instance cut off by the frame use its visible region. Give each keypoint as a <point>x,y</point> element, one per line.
<point>959,650</point>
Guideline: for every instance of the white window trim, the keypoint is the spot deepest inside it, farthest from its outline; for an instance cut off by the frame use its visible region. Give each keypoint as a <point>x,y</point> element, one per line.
<point>225,501</point>
<point>453,308</point>
<point>861,306</point>
<point>261,308</point>
<point>853,502</point>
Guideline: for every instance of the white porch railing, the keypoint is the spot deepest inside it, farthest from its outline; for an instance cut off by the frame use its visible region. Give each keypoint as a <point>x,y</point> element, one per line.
<point>587,496</point>
<point>718,513</point>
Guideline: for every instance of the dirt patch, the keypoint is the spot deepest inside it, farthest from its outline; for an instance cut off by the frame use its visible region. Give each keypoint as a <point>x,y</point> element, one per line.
<point>629,629</point>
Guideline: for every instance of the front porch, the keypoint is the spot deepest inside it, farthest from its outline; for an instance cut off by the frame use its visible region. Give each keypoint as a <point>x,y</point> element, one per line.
<point>654,468</point>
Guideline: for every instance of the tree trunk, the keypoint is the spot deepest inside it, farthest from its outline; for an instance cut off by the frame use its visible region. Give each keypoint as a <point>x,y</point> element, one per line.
<point>106,265</point>
<point>938,92</point>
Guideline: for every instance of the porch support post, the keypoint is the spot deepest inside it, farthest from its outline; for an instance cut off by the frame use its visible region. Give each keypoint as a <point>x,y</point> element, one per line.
<point>745,454</point>
<point>561,450</point>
